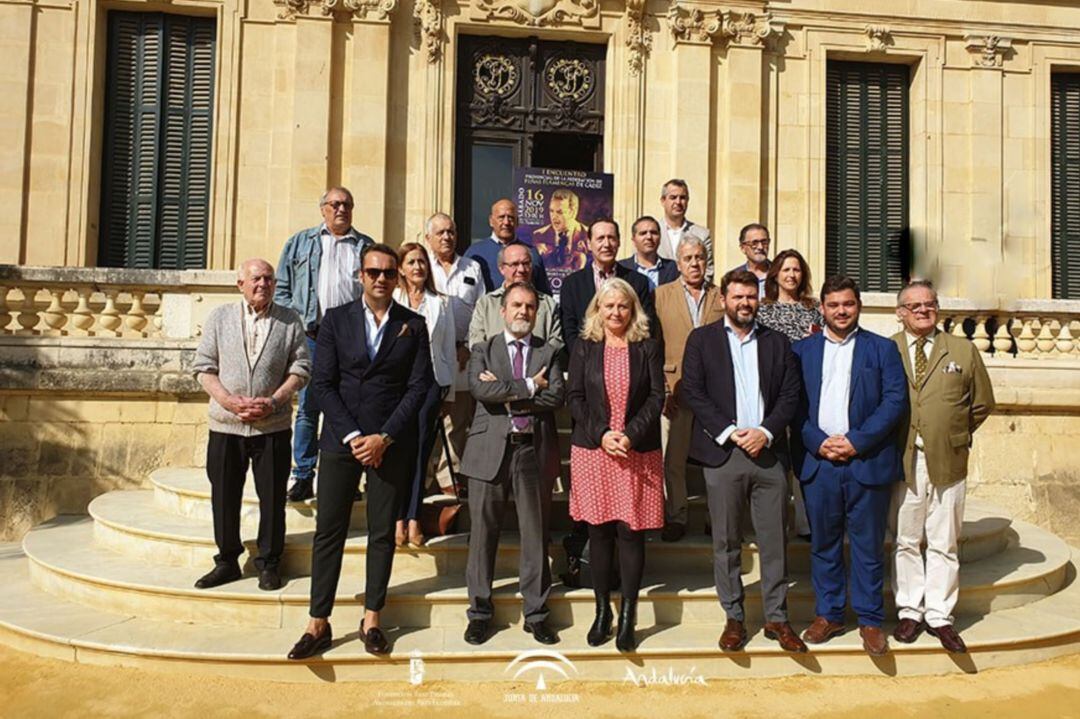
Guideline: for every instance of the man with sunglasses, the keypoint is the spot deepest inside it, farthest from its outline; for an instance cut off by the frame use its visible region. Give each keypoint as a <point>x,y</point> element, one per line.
<point>371,374</point>
<point>316,272</point>
<point>754,242</point>
<point>950,396</point>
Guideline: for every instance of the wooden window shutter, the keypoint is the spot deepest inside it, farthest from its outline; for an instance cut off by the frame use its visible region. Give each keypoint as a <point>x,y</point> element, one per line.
<point>1065,184</point>
<point>156,168</point>
<point>866,215</point>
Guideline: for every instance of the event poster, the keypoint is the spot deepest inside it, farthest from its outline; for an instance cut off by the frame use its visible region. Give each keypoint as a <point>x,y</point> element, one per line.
<point>555,208</point>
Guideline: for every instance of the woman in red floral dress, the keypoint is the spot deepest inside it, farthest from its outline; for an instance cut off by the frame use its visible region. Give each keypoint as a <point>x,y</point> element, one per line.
<point>615,393</point>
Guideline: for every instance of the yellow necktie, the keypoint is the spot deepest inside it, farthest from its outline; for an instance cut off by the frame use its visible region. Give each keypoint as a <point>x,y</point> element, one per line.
<point>920,360</point>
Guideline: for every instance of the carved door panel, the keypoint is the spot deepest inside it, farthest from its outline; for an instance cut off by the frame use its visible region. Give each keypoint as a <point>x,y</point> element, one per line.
<point>522,102</point>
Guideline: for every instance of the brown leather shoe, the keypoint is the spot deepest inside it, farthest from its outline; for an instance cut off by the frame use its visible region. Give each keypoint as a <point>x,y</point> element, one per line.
<point>734,636</point>
<point>786,636</point>
<point>908,630</point>
<point>822,630</point>
<point>949,638</point>
<point>874,641</point>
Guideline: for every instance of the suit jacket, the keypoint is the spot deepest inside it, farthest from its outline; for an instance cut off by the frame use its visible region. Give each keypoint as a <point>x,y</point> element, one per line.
<point>371,396</point>
<point>946,409</point>
<point>497,402</point>
<point>669,271</point>
<point>676,325</point>
<point>578,290</point>
<point>708,390</point>
<point>878,399</point>
<point>586,395</point>
<point>667,248</point>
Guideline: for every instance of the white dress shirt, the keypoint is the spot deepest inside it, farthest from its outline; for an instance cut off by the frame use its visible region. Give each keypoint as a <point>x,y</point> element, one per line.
<point>694,305</point>
<point>256,328</point>
<point>435,310</point>
<point>338,284</point>
<point>749,403</point>
<point>674,236</point>
<point>836,383</point>
<point>463,285</point>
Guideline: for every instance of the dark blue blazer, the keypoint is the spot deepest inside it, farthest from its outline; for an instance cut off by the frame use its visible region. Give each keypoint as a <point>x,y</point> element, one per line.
<point>878,401</point>
<point>669,271</point>
<point>365,395</point>
<point>578,289</point>
<point>708,390</point>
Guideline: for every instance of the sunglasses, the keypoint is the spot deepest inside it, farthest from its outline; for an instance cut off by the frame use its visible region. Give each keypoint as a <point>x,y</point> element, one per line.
<point>373,273</point>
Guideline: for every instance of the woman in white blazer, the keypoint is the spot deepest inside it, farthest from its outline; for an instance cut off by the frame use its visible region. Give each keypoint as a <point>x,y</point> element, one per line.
<point>416,291</point>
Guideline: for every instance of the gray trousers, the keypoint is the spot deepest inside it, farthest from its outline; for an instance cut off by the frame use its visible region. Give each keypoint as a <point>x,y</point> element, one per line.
<point>518,477</point>
<point>763,483</point>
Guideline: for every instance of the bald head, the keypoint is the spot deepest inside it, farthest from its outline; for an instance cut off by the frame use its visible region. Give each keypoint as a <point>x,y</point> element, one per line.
<point>255,278</point>
<point>504,220</point>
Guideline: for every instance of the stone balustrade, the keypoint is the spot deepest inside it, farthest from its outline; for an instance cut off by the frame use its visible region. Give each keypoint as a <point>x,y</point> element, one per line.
<point>107,302</point>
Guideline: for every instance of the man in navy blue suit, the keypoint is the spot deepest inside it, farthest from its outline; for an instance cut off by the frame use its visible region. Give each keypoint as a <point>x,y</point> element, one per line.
<point>372,372</point>
<point>856,395</point>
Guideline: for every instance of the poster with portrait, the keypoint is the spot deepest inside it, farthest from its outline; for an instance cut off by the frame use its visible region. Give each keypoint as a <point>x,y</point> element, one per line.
<point>555,208</point>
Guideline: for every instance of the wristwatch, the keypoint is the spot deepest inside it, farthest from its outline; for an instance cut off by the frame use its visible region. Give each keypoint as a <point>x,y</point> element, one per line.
<point>387,439</point>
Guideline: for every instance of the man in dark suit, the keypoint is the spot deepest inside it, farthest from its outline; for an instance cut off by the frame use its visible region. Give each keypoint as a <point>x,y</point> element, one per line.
<point>372,372</point>
<point>646,261</point>
<point>855,397</point>
<point>742,383</point>
<point>579,288</point>
<point>513,451</point>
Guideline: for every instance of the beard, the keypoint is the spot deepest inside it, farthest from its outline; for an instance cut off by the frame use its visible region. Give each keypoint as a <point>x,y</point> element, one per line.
<point>742,322</point>
<point>519,327</point>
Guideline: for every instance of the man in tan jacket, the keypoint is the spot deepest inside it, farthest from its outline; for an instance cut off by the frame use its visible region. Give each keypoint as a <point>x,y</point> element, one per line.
<point>681,306</point>
<point>950,396</point>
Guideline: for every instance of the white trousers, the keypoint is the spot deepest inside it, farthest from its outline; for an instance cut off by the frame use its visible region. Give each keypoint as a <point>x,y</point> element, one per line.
<point>927,588</point>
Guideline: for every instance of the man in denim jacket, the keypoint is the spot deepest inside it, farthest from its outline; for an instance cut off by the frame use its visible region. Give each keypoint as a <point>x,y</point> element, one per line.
<point>317,271</point>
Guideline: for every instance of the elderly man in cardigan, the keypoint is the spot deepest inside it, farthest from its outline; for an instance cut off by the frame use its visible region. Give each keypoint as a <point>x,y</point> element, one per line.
<point>251,360</point>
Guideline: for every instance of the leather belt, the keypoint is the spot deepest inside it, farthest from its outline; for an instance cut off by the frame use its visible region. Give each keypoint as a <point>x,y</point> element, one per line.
<point>313,333</point>
<point>521,438</point>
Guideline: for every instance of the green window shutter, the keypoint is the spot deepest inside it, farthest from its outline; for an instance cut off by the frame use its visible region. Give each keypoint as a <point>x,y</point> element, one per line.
<point>156,168</point>
<point>132,136</point>
<point>1065,184</point>
<point>866,185</point>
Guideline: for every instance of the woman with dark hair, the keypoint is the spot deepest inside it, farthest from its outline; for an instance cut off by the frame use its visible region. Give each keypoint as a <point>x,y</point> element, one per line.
<point>789,306</point>
<point>416,291</point>
<point>615,393</point>
<point>791,309</point>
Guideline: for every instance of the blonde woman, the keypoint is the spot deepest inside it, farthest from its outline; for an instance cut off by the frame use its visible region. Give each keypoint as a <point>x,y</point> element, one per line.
<point>615,394</point>
<point>416,291</point>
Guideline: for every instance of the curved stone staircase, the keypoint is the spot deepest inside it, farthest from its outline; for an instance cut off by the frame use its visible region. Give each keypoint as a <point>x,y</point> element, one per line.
<point>115,587</point>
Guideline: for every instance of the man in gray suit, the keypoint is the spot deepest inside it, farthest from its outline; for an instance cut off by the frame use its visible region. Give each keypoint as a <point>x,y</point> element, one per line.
<point>675,197</point>
<point>512,451</point>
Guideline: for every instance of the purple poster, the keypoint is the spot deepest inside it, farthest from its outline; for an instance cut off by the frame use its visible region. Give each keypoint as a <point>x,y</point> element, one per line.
<point>555,208</point>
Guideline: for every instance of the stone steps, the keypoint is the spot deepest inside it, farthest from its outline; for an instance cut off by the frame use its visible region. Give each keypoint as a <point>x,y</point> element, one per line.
<point>34,620</point>
<point>66,561</point>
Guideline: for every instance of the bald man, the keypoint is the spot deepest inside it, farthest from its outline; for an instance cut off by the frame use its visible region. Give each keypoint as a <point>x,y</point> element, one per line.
<point>251,359</point>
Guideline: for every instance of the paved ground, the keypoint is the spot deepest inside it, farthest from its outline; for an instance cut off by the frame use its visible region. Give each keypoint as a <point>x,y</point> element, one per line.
<point>35,687</point>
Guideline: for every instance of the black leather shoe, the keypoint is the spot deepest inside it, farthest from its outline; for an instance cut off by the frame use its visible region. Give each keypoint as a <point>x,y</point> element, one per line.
<point>541,632</point>
<point>624,635</point>
<point>301,490</point>
<point>220,574</point>
<point>269,579</point>
<point>601,626</point>
<point>477,631</point>
<point>673,532</point>
<point>374,640</point>
<point>310,645</point>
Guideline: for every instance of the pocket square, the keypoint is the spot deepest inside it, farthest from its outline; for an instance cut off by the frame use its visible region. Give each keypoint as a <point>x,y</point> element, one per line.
<point>405,331</point>
<point>952,368</point>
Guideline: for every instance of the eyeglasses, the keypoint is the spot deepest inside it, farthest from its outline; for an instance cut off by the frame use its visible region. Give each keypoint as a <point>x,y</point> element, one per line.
<point>338,204</point>
<point>916,306</point>
<point>373,273</point>
<point>756,243</point>
<point>518,265</point>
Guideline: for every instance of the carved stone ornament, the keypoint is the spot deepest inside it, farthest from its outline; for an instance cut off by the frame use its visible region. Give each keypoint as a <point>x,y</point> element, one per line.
<point>988,50</point>
<point>495,76</point>
<point>428,22</point>
<point>638,37</point>
<point>878,38</point>
<point>358,9</point>
<point>746,28</point>
<point>539,13</point>
<point>693,25</point>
